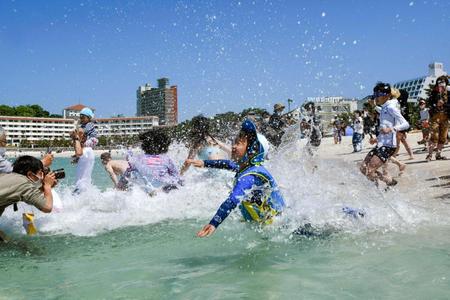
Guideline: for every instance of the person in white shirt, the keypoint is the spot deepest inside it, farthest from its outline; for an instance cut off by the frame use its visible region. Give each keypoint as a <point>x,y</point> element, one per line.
<point>391,121</point>
<point>358,131</point>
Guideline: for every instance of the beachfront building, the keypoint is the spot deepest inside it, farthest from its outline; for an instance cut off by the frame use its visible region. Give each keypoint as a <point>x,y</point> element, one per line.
<point>416,87</point>
<point>125,126</point>
<point>161,101</point>
<point>328,107</point>
<point>33,129</point>
<point>73,112</point>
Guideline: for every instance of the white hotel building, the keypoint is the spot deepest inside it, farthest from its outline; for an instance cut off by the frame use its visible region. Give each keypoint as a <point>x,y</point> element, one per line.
<point>125,125</point>
<point>416,87</point>
<point>35,129</point>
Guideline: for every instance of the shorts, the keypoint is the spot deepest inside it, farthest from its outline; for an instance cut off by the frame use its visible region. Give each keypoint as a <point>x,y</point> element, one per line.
<point>383,152</point>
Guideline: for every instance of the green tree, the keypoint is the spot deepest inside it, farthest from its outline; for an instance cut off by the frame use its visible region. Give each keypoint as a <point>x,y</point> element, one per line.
<point>25,143</point>
<point>6,110</point>
<point>25,111</point>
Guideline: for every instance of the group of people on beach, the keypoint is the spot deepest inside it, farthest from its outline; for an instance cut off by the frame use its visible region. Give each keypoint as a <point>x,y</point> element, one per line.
<point>255,191</point>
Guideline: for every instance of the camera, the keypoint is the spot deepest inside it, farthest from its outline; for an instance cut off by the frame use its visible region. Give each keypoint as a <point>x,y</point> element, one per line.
<point>59,174</point>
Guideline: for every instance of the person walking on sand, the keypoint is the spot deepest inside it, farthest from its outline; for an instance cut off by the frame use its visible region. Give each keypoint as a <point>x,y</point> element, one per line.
<point>439,112</point>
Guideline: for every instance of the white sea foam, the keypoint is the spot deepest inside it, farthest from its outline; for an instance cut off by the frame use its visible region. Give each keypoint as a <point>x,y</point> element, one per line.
<point>315,191</point>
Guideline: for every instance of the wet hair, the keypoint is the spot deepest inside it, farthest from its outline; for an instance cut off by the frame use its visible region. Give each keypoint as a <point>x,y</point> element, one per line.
<point>249,136</point>
<point>442,78</point>
<point>27,163</point>
<point>382,87</point>
<point>310,105</point>
<point>155,141</point>
<point>105,156</point>
<point>199,130</point>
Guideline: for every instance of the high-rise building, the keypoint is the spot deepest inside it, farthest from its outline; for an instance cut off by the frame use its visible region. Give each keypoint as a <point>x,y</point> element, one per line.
<point>416,87</point>
<point>161,101</point>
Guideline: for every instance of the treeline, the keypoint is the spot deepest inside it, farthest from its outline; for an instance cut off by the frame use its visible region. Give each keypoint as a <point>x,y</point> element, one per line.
<point>33,110</point>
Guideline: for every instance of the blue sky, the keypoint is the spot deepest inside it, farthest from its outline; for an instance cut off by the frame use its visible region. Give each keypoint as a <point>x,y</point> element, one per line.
<point>223,55</point>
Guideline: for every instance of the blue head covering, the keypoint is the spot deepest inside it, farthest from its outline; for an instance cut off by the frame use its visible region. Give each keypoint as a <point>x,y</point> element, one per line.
<point>87,112</point>
<point>255,152</point>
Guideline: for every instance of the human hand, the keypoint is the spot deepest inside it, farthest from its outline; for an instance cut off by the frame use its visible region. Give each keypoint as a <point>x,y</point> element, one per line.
<point>195,162</point>
<point>373,141</point>
<point>207,230</point>
<point>47,159</point>
<point>74,134</point>
<point>49,180</point>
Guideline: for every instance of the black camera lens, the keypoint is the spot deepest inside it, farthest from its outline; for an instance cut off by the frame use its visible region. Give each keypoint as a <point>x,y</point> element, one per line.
<point>60,174</point>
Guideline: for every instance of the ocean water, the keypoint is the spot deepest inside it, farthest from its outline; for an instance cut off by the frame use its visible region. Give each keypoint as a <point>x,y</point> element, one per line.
<point>106,244</point>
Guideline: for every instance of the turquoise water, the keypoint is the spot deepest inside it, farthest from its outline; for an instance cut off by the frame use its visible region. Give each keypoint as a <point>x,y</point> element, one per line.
<point>108,244</point>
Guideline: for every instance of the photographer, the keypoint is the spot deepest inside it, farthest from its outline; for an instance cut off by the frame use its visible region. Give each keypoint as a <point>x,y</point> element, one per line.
<point>27,183</point>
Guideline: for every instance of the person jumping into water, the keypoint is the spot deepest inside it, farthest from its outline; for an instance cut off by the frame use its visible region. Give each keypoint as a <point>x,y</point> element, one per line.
<point>154,170</point>
<point>115,168</point>
<point>255,190</point>
<point>391,121</point>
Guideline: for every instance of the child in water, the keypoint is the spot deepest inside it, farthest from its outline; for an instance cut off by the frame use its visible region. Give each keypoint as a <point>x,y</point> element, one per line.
<point>255,190</point>
<point>154,170</point>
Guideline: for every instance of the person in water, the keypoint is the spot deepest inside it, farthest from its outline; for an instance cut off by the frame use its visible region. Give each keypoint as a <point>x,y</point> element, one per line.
<point>116,170</point>
<point>84,140</point>
<point>154,170</point>
<point>255,190</point>
<point>391,121</point>
<point>202,144</point>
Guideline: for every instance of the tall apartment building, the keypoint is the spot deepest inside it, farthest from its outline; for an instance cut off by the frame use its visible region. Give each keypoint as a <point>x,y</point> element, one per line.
<point>161,102</point>
<point>417,87</point>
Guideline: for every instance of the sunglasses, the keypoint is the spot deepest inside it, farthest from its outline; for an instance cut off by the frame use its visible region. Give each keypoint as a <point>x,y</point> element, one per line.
<point>379,94</point>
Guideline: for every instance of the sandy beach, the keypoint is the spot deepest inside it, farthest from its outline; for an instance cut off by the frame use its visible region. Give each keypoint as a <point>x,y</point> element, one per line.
<point>435,175</point>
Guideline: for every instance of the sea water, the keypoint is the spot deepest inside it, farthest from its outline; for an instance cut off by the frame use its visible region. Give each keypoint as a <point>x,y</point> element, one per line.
<point>109,244</point>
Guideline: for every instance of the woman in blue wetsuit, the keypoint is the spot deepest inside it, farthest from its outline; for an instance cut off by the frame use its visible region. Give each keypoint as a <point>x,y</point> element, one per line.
<point>255,190</point>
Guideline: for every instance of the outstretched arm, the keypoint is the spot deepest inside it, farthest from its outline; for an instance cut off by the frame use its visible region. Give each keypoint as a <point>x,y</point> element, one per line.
<point>222,164</point>
<point>243,185</point>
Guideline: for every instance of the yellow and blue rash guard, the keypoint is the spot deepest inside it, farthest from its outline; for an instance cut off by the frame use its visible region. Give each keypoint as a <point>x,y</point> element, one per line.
<point>254,189</point>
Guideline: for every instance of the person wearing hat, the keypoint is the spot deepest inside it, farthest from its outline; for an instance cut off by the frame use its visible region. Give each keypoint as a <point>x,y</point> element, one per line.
<point>424,123</point>
<point>277,123</point>
<point>255,190</point>
<point>84,140</point>
<point>439,116</point>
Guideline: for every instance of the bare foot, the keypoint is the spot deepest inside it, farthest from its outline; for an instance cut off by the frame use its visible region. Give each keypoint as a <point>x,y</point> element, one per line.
<point>401,169</point>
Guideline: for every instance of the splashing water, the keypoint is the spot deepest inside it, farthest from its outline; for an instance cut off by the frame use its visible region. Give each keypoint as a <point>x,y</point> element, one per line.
<point>316,190</point>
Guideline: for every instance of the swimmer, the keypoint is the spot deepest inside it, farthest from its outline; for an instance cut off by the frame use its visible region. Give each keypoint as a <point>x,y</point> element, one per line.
<point>202,144</point>
<point>154,170</point>
<point>115,168</point>
<point>255,190</point>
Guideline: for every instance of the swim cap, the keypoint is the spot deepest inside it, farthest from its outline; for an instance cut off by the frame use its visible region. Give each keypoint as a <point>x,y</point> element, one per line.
<point>259,147</point>
<point>87,112</point>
